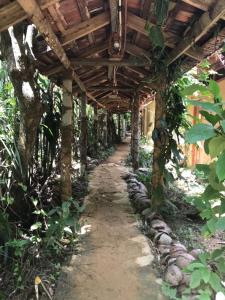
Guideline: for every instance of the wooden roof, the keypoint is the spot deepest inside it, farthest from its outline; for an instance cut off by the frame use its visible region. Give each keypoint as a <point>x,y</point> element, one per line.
<point>80,35</point>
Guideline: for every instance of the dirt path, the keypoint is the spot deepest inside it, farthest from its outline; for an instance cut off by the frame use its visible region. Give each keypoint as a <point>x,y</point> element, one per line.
<point>115,263</point>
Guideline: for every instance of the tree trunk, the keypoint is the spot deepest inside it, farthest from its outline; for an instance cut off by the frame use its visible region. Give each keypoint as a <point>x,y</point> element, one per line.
<point>18,55</point>
<point>66,141</point>
<point>160,141</point>
<point>83,136</point>
<point>135,133</point>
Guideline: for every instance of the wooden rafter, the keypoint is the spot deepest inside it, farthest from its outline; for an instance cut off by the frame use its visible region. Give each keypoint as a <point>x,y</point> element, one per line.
<point>12,13</point>
<point>33,10</point>
<point>110,88</point>
<point>138,24</point>
<point>107,62</point>
<point>84,28</point>
<point>85,15</point>
<point>198,30</point>
<point>136,50</point>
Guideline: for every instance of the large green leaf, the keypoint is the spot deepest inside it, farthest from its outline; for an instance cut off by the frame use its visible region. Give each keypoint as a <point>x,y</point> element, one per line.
<point>220,167</point>
<point>223,124</point>
<point>215,282</point>
<point>216,145</point>
<point>191,89</point>
<point>211,118</point>
<point>156,36</point>
<point>195,279</point>
<point>210,193</point>
<point>199,132</point>
<point>215,89</point>
<point>213,107</point>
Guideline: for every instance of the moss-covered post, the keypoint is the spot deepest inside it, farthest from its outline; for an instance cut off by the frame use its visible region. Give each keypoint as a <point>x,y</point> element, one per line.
<point>83,134</point>
<point>105,131</point>
<point>95,129</point>
<point>66,140</point>
<point>119,127</point>
<point>160,139</point>
<point>135,132</point>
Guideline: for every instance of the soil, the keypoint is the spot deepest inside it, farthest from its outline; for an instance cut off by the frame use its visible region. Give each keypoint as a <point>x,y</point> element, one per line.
<point>115,262</point>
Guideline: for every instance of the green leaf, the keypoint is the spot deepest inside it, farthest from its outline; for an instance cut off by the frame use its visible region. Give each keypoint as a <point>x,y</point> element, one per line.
<point>195,279</point>
<point>203,168</point>
<point>191,89</point>
<point>204,296</point>
<point>199,132</point>
<point>215,89</point>
<point>67,230</point>
<point>210,193</point>
<point>216,145</point>
<point>209,106</point>
<point>169,291</point>
<point>211,224</point>
<point>220,167</point>
<point>35,226</point>
<point>220,264</point>
<point>194,265</point>
<point>221,224</point>
<point>215,282</point>
<point>217,253</point>
<point>156,36</point>
<point>205,274</point>
<point>223,124</point>
<point>213,119</point>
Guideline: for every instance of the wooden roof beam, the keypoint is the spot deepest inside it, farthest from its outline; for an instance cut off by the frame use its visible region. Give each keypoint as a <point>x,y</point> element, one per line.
<point>12,13</point>
<point>85,15</point>
<point>110,88</point>
<point>33,10</point>
<point>107,62</point>
<point>84,28</point>
<point>199,29</point>
<point>136,51</point>
<point>138,24</point>
<point>198,4</point>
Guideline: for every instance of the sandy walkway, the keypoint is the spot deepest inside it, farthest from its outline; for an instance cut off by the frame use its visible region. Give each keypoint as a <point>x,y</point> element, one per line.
<point>115,263</point>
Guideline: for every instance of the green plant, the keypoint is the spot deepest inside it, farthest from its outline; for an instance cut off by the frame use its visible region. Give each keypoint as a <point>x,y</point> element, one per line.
<point>206,275</point>
<point>208,272</point>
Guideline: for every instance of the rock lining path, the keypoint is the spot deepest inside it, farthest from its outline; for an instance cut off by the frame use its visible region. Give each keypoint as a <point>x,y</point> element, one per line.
<point>115,261</point>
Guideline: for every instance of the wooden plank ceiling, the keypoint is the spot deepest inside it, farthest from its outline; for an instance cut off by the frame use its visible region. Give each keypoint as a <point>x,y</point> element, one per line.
<point>104,44</point>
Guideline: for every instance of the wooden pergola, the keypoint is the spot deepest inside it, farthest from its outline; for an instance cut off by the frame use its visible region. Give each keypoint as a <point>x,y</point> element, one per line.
<point>105,45</point>
<point>101,49</point>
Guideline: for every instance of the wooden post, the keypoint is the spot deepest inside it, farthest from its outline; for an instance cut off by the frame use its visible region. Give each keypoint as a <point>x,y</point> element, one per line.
<point>135,133</point>
<point>119,128</point>
<point>66,141</point>
<point>160,141</point>
<point>83,135</point>
<point>105,130</point>
<point>95,129</point>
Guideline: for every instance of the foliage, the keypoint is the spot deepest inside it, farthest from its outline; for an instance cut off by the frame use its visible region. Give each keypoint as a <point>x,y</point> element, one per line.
<point>212,133</point>
<point>206,275</point>
<point>208,272</point>
<point>145,158</point>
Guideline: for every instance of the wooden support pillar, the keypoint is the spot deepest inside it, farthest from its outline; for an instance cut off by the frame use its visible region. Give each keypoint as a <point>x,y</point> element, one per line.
<point>135,133</point>
<point>159,137</point>
<point>83,134</point>
<point>105,130</point>
<point>95,129</point>
<point>119,128</point>
<point>66,141</point>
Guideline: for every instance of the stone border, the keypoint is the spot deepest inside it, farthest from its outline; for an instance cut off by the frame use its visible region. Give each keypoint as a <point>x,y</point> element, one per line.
<point>174,256</point>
